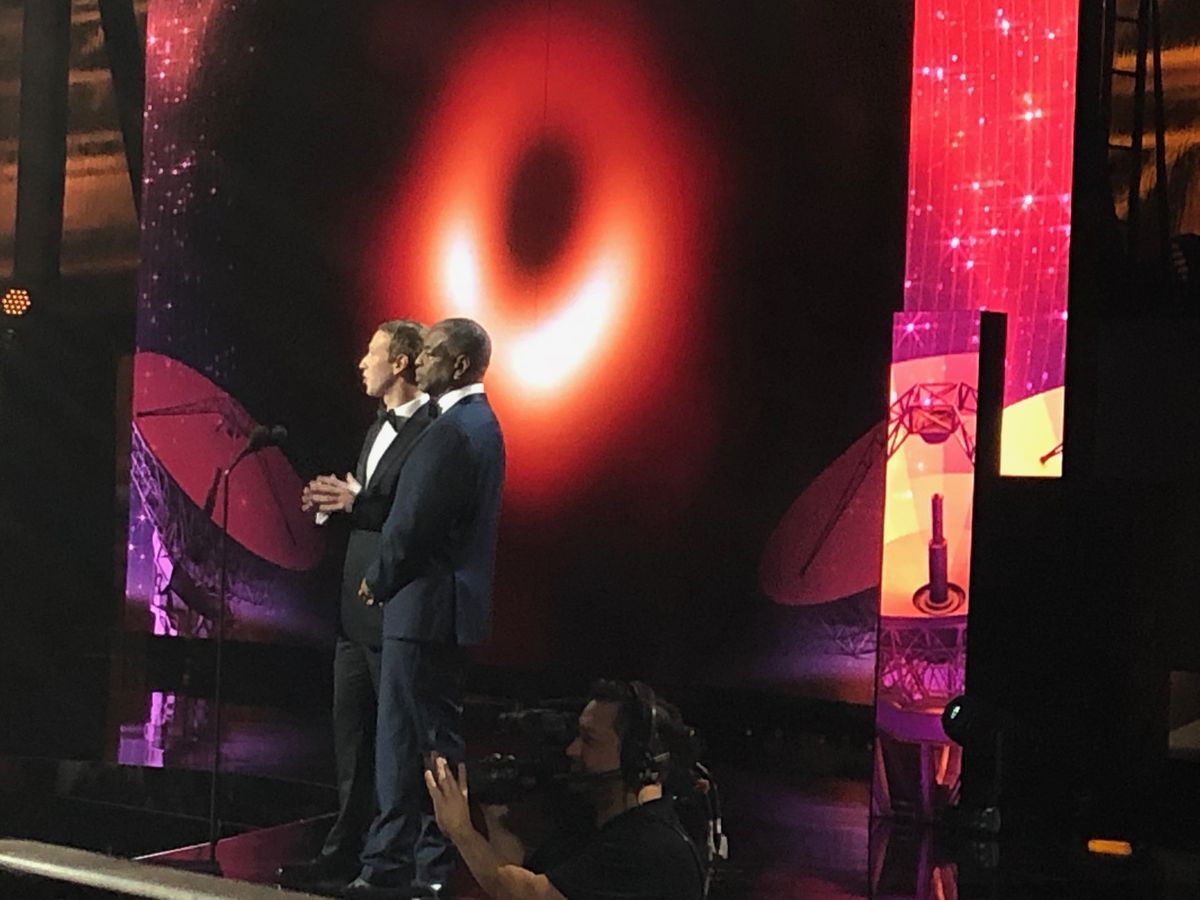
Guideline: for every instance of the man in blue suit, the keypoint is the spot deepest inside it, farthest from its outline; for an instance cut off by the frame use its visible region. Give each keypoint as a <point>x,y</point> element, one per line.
<point>434,579</point>
<point>363,499</point>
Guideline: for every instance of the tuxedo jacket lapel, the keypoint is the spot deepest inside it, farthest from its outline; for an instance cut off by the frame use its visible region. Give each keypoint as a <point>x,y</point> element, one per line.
<point>398,448</point>
<point>360,471</point>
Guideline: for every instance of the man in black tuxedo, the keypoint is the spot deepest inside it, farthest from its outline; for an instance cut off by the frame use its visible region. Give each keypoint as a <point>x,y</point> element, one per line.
<point>433,578</point>
<point>364,498</point>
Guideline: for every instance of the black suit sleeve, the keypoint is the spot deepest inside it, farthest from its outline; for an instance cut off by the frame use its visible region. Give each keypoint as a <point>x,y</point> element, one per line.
<point>369,510</point>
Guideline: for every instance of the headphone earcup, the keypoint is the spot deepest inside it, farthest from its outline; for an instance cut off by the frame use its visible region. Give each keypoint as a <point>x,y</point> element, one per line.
<point>639,750</point>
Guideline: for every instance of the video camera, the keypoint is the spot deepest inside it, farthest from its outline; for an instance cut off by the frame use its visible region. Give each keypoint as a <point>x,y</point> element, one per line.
<point>540,766</point>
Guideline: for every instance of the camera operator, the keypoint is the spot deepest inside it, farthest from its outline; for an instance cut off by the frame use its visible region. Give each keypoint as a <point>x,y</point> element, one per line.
<point>619,758</point>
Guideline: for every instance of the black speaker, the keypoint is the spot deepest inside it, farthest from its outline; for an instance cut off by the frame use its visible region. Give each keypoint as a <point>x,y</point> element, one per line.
<point>1066,647</point>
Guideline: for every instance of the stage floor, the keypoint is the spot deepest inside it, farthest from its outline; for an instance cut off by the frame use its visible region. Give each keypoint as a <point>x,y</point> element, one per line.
<point>790,838</point>
<point>794,781</point>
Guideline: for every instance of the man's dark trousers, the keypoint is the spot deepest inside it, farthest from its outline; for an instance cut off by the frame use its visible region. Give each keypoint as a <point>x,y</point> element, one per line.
<point>419,715</point>
<point>434,578</point>
<point>356,689</point>
<point>358,657</point>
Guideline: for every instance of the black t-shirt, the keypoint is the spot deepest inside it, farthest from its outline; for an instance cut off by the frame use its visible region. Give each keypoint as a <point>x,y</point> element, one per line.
<point>642,854</point>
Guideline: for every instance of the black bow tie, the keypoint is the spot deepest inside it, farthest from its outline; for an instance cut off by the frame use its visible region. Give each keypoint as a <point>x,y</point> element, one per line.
<point>434,409</point>
<point>389,416</point>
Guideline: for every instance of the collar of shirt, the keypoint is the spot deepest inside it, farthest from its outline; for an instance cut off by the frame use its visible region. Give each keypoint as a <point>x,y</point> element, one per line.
<point>449,398</point>
<point>405,410</point>
<point>385,436</point>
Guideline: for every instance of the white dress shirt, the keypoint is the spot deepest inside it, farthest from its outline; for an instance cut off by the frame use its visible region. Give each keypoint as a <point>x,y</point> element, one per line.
<point>387,434</point>
<point>383,440</point>
<point>449,398</point>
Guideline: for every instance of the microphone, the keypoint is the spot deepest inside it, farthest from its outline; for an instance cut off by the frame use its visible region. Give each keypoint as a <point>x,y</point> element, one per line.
<point>261,437</point>
<point>585,778</point>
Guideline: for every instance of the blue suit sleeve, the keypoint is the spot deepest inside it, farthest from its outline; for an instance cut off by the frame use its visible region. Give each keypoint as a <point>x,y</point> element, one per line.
<point>431,495</point>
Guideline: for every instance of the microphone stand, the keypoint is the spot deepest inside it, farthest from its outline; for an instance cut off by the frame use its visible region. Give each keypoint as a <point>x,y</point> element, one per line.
<point>222,558</point>
<point>209,864</point>
<point>260,438</point>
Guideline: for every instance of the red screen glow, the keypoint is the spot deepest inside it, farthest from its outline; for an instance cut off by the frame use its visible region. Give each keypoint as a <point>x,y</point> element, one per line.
<point>582,338</point>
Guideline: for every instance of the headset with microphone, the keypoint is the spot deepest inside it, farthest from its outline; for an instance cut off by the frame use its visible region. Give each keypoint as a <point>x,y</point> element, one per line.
<point>644,758</point>
<point>644,754</point>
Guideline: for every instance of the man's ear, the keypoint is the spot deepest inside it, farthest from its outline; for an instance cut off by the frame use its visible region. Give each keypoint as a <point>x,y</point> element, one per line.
<point>462,365</point>
<point>399,364</point>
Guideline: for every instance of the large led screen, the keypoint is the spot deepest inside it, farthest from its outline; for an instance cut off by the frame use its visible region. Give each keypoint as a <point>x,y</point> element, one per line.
<point>683,224</point>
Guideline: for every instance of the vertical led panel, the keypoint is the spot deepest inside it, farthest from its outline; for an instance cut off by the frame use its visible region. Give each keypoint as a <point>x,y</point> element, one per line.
<point>989,213</point>
<point>989,224</point>
<point>921,658</point>
<point>193,369</point>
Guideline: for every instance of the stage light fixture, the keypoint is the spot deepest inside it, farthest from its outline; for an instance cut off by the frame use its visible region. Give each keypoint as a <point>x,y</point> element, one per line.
<point>956,719</point>
<point>16,302</point>
<point>977,728</point>
<point>971,723</point>
<point>1106,847</point>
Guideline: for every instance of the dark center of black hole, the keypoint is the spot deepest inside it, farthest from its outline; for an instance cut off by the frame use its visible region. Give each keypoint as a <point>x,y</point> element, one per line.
<point>543,199</point>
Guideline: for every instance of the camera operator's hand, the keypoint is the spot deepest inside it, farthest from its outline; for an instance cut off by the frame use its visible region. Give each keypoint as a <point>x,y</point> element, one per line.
<point>497,877</point>
<point>494,815</point>
<point>449,795</point>
<point>507,845</point>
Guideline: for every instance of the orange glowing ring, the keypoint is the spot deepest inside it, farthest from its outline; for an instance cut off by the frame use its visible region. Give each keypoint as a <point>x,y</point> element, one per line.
<point>627,268</point>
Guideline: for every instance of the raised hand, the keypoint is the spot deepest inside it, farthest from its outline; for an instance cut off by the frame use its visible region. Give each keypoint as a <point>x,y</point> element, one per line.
<point>449,795</point>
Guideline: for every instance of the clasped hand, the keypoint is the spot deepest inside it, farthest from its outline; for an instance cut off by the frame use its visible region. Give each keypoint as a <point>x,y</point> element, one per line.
<point>330,494</point>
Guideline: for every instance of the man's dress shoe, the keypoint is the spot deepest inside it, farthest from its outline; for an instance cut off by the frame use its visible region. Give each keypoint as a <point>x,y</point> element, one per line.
<point>321,874</point>
<point>362,889</point>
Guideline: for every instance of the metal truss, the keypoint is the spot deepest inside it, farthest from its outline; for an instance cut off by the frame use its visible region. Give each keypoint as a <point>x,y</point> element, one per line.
<point>850,629</point>
<point>922,662</point>
<point>934,412</point>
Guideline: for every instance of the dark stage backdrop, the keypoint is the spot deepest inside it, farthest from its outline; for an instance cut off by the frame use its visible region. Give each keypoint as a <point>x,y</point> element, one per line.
<point>682,222</point>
